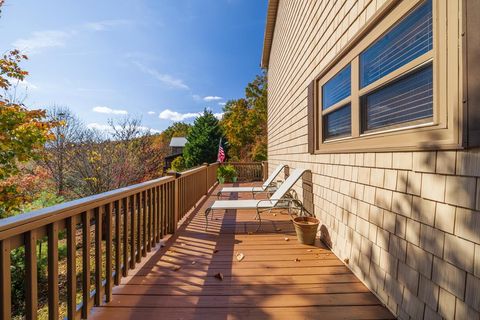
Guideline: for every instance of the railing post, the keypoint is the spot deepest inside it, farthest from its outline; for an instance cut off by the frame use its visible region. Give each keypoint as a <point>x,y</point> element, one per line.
<point>265,170</point>
<point>176,198</point>
<point>207,167</point>
<point>5,280</point>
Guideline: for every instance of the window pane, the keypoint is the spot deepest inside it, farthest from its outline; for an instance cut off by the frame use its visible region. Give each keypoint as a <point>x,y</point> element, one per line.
<point>408,40</point>
<point>408,99</point>
<point>337,88</point>
<point>338,122</point>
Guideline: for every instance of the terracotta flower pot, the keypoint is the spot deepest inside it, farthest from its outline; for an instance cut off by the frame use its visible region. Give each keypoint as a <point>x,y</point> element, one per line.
<point>306,229</point>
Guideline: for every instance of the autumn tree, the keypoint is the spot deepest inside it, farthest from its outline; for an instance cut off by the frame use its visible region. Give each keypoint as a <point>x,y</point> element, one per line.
<point>122,156</point>
<point>58,151</point>
<point>256,95</point>
<point>138,157</point>
<point>23,133</point>
<point>244,123</point>
<point>177,129</point>
<point>202,140</point>
<point>161,142</point>
<point>235,125</point>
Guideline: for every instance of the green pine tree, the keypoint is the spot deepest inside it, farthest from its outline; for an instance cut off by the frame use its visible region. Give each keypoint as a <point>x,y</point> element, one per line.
<point>202,140</point>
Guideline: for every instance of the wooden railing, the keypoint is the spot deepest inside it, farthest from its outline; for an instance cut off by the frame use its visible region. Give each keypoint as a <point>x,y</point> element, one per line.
<point>116,228</point>
<point>212,173</point>
<point>250,171</point>
<point>189,190</point>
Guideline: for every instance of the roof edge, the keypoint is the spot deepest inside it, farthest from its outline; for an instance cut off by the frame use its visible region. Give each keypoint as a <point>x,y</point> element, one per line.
<point>269,30</point>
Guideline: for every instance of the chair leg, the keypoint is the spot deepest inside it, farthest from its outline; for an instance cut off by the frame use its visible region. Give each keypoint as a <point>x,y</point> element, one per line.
<point>259,220</point>
<point>207,212</point>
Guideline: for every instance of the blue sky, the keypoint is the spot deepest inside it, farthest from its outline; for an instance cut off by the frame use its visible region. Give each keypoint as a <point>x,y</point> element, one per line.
<point>162,60</point>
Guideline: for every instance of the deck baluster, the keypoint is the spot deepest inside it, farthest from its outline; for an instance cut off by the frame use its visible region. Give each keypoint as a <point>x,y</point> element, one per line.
<point>53,298</point>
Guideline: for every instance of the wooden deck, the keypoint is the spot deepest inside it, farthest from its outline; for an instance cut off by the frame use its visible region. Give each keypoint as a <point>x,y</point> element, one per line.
<point>277,279</point>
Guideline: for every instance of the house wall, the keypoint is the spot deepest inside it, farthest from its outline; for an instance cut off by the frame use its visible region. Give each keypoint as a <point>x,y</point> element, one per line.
<point>407,223</point>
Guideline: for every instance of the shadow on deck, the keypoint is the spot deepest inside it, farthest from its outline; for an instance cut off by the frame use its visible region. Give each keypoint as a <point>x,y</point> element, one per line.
<point>277,279</point>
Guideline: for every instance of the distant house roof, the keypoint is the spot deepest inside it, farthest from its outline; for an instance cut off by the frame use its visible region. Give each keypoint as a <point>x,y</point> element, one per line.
<point>269,29</point>
<point>178,142</point>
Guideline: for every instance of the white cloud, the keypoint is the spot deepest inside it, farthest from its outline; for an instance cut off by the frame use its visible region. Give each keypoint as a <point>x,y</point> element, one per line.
<point>151,112</point>
<point>40,40</point>
<point>100,127</point>
<point>27,85</point>
<point>106,24</point>
<point>108,110</point>
<point>164,78</point>
<point>147,129</point>
<point>108,128</point>
<point>212,98</point>
<point>168,114</point>
<point>222,104</point>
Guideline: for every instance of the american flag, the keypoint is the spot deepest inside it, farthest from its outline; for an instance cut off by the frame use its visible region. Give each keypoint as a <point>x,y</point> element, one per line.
<point>221,153</point>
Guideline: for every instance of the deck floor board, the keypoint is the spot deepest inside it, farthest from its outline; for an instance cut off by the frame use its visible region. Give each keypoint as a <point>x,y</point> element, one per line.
<point>278,277</point>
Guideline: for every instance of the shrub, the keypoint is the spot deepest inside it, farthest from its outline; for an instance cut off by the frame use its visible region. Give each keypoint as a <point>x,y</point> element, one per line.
<point>178,164</point>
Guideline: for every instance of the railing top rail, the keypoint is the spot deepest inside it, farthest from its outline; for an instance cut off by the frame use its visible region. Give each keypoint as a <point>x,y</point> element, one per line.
<point>243,163</point>
<point>192,171</point>
<point>67,209</point>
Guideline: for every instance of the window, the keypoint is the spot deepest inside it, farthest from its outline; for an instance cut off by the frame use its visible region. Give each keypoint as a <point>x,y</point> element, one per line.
<point>388,89</point>
<point>335,94</point>
<point>337,88</point>
<point>410,98</point>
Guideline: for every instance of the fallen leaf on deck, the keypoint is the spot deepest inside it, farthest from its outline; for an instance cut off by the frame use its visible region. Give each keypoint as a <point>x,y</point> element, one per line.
<point>297,260</point>
<point>176,268</point>
<point>240,256</point>
<point>278,229</point>
<point>274,214</point>
<point>215,251</point>
<point>309,250</point>
<point>219,276</point>
<point>194,262</point>
<point>286,239</point>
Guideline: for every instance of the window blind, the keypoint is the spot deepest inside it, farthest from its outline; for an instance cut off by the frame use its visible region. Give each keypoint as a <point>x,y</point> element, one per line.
<point>408,99</point>
<point>409,39</point>
<point>338,123</point>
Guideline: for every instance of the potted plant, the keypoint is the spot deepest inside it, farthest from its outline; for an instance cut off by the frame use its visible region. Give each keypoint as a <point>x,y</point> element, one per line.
<point>226,174</point>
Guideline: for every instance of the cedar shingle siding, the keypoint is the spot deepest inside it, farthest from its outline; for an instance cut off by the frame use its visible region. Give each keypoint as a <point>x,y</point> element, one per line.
<point>408,222</point>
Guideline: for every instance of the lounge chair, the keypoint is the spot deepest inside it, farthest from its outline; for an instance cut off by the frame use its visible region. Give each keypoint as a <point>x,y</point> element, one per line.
<point>264,188</point>
<point>279,198</point>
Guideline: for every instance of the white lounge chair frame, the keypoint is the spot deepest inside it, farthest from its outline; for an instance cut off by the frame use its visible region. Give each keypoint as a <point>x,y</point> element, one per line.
<point>261,205</point>
<point>264,188</point>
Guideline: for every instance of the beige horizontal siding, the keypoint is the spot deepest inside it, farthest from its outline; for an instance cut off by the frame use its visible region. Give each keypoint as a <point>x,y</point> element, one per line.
<point>408,223</point>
